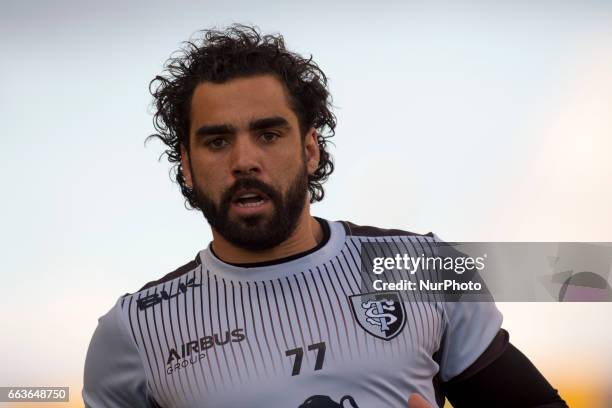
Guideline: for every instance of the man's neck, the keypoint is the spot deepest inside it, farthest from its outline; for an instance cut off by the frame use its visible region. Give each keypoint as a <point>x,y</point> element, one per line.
<point>306,236</point>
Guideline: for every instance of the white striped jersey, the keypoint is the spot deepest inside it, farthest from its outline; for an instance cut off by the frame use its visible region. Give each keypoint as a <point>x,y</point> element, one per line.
<point>294,333</point>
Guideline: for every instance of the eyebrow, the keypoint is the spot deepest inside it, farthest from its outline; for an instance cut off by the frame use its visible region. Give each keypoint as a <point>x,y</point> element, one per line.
<point>266,123</point>
<point>209,130</point>
<point>258,124</point>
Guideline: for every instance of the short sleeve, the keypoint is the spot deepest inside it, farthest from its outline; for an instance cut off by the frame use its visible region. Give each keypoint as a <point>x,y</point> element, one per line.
<point>114,374</point>
<point>470,328</point>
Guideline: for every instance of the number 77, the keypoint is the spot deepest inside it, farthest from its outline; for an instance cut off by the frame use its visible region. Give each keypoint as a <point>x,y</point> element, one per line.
<point>299,353</point>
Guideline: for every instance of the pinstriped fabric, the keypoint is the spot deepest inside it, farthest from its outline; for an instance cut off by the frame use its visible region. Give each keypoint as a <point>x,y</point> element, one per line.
<point>232,349</point>
<point>278,317</point>
<point>265,327</point>
<point>251,327</point>
<point>156,351</point>
<point>204,332</point>
<point>265,300</point>
<point>425,312</point>
<point>219,337</point>
<point>349,266</point>
<point>184,315</point>
<point>206,329</point>
<point>342,293</point>
<point>141,339</point>
<point>301,306</point>
<point>173,396</point>
<point>291,300</point>
<point>341,332</point>
<point>320,306</point>
<point>177,336</point>
<point>371,278</point>
<point>244,324</point>
<point>220,381</point>
<point>196,299</point>
<point>243,362</point>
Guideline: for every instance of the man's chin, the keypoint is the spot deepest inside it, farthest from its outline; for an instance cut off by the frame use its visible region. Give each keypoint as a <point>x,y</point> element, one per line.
<point>253,233</point>
<point>251,222</point>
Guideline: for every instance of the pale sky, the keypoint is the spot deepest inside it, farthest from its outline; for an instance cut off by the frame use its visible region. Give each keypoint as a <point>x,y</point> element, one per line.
<point>475,120</point>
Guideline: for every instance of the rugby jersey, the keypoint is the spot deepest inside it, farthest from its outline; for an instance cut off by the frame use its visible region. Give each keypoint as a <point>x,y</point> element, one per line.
<point>299,332</point>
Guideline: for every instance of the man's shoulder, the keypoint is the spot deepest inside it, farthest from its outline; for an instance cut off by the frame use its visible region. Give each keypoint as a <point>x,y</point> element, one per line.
<point>355,230</point>
<point>175,274</point>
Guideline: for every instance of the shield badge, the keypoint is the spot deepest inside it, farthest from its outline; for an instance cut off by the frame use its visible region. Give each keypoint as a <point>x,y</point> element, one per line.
<point>381,314</point>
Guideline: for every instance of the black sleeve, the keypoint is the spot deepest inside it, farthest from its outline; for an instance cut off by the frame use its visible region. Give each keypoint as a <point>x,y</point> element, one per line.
<point>502,377</point>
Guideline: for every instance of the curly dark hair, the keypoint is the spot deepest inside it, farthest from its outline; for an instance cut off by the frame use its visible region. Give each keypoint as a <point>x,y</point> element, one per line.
<point>236,52</point>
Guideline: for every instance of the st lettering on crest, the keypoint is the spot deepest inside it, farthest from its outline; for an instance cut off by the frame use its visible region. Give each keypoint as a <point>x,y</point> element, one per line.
<point>381,314</point>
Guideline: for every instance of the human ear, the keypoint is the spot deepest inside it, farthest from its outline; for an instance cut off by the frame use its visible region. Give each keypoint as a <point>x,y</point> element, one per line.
<point>311,150</point>
<point>186,168</point>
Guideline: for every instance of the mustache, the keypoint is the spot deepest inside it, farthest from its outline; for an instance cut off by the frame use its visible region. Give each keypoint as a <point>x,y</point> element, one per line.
<point>249,183</point>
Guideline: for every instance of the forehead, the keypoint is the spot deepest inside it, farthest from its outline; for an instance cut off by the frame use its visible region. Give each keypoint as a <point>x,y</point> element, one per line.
<point>239,101</point>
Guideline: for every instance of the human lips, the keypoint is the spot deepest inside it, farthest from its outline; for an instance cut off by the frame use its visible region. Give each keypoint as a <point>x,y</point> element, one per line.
<point>249,198</point>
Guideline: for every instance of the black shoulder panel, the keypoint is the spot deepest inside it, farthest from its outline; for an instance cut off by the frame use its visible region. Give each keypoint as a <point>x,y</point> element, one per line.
<point>188,267</point>
<point>368,231</point>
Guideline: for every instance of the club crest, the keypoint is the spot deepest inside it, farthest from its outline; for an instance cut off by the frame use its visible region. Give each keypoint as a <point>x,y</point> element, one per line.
<point>381,314</point>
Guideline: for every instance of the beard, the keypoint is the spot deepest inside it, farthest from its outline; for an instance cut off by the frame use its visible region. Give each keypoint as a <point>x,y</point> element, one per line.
<point>257,232</point>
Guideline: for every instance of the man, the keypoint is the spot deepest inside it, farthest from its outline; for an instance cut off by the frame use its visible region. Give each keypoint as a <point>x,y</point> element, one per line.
<point>274,312</point>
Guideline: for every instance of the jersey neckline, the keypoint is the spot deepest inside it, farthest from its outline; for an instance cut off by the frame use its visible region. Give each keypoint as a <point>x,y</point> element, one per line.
<point>325,228</point>
<point>334,236</point>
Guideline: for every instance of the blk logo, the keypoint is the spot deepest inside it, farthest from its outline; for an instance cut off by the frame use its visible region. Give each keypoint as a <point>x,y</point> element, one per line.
<point>156,298</point>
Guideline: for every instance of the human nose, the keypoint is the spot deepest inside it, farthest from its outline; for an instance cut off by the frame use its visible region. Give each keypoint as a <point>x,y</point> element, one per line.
<point>244,157</point>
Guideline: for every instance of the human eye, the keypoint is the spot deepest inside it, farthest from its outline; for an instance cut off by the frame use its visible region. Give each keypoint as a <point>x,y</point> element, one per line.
<point>217,143</point>
<point>268,137</point>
